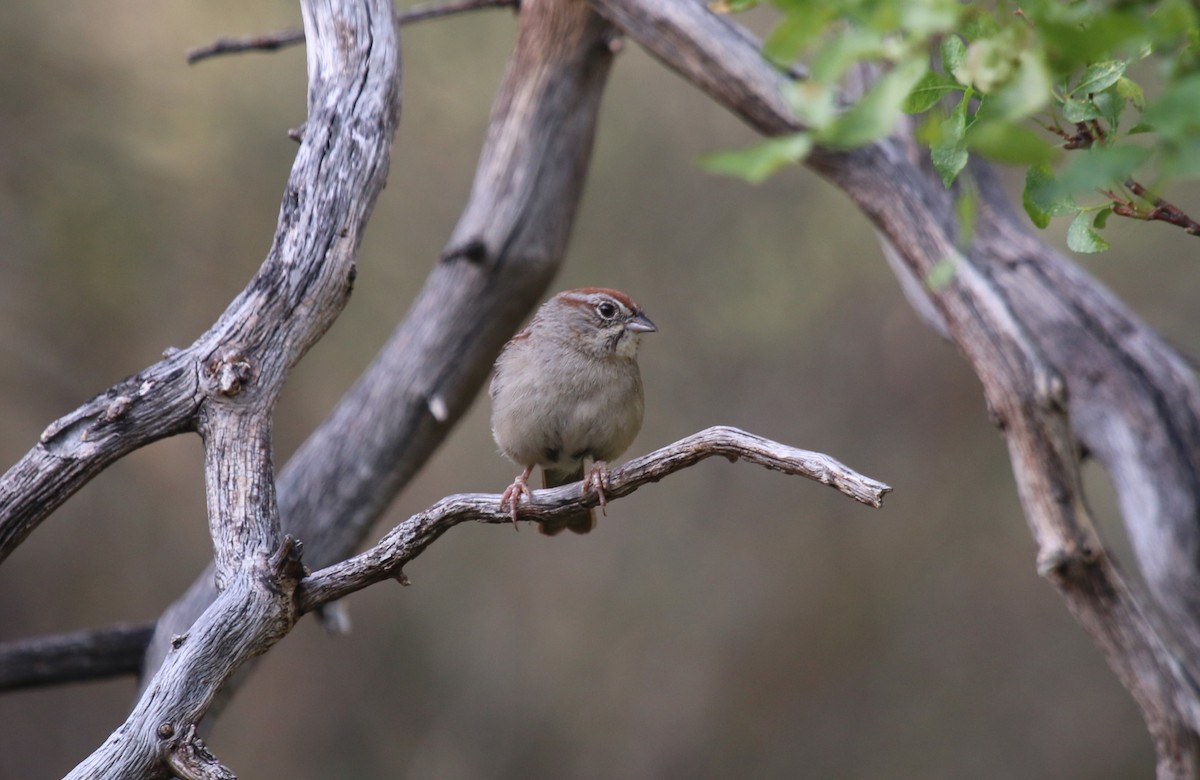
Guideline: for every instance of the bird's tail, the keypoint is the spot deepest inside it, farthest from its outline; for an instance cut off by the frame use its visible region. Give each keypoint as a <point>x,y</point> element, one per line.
<point>580,522</point>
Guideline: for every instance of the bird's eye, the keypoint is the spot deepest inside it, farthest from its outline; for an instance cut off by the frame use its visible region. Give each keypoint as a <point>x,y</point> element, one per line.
<point>606,309</point>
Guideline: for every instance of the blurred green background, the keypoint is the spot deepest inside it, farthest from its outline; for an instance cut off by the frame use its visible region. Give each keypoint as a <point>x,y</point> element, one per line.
<point>726,622</point>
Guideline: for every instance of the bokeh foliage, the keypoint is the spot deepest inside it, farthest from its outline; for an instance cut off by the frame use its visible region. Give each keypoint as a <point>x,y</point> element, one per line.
<point>1015,83</point>
<point>727,623</point>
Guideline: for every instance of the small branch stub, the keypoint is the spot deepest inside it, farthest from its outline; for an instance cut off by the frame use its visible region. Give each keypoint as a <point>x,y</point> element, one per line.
<point>190,759</point>
<point>232,375</point>
<point>1063,564</point>
<point>286,562</point>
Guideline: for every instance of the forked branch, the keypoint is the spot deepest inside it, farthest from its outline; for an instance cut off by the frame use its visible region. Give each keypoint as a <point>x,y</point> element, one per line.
<point>49,660</point>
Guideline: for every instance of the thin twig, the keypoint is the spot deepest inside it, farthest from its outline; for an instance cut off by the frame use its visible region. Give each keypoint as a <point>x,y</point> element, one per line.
<point>284,38</point>
<point>266,42</point>
<point>409,539</point>
<point>1161,210</point>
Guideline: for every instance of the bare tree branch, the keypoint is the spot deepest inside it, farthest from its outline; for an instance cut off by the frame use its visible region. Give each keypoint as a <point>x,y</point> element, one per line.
<point>722,59</point>
<point>1040,335</point>
<point>96,654</point>
<point>272,41</point>
<point>290,37</point>
<point>160,401</point>
<point>354,73</point>
<point>409,539</point>
<point>1060,360</point>
<point>509,242</point>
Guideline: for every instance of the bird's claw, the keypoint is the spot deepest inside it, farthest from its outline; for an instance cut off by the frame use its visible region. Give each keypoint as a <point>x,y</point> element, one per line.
<point>511,497</point>
<point>597,480</point>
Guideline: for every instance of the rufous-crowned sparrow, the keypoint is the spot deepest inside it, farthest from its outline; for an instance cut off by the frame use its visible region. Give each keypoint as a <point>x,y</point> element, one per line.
<point>566,389</point>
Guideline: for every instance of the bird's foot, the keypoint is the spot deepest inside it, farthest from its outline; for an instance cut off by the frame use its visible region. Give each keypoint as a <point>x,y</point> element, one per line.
<point>597,480</point>
<point>511,497</point>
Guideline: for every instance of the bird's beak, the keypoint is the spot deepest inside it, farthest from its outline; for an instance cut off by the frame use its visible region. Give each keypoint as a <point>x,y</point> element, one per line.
<point>641,324</point>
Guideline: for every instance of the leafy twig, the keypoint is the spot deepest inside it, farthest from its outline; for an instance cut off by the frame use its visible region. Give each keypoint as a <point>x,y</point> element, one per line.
<point>1161,210</point>
<point>1086,135</point>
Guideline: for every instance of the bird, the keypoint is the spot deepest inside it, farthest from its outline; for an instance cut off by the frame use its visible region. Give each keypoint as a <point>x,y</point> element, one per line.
<point>567,389</point>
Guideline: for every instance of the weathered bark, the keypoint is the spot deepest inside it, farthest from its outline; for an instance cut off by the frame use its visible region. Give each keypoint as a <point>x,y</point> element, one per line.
<point>242,362</point>
<point>406,541</point>
<point>158,402</point>
<point>507,245</point>
<point>1062,363</point>
<point>84,655</point>
<point>1060,359</point>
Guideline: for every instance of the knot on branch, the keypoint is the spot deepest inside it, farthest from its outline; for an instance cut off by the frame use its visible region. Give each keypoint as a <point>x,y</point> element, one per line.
<point>116,408</point>
<point>1051,389</point>
<point>614,42</point>
<point>231,370</point>
<point>1067,564</point>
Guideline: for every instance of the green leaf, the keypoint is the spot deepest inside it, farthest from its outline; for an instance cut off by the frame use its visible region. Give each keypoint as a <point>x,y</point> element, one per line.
<point>941,274</point>
<point>1075,110</point>
<point>1110,105</point>
<point>756,163</point>
<point>1081,237</point>
<point>1175,115</point>
<point>814,104</point>
<point>980,23</point>
<point>954,57</point>
<point>1075,34</point>
<point>834,58</point>
<point>1099,77</point>
<point>1172,17</point>
<point>932,87</point>
<point>1041,197</point>
<point>880,108</point>
<point>731,6</point>
<point>792,36</point>
<point>949,151</point>
<point>1025,93</point>
<point>1131,91</point>
<point>1008,142</point>
<point>1100,167</point>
